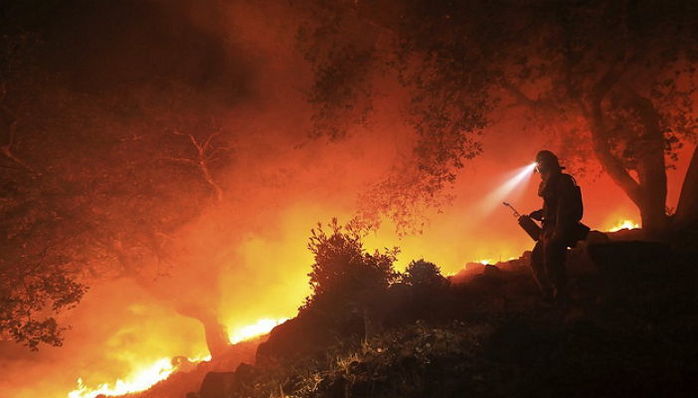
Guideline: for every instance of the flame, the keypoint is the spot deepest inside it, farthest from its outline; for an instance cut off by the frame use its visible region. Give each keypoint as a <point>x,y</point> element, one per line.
<point>623,224</point>
<point>261,327</point>
<point>139,380</point>
<point>490,261</point>
<point>145,377</point>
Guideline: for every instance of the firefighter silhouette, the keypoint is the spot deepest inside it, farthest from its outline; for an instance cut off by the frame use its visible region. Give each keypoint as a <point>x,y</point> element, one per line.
<point>561,214</point>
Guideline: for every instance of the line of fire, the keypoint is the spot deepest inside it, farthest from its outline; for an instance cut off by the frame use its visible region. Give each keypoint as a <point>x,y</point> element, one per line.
<point>348,198</point>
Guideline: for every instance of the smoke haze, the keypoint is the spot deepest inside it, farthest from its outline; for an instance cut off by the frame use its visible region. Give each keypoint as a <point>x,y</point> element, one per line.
<point>156,63</point>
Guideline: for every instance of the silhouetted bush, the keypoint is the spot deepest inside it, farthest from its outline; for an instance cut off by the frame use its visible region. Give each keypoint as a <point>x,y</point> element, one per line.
<point>426,291</point>
<point>423,274</point>
<point>348,284</point>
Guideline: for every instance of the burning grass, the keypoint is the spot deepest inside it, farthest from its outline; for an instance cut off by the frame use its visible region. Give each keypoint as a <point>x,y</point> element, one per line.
<point>144,377</point>
<point>139,380</point>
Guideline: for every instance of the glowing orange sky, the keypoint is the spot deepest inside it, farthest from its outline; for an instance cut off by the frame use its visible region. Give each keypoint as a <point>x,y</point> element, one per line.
<point>253,247</point>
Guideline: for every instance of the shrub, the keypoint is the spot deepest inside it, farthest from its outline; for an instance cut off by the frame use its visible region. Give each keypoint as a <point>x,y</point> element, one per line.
<point>346,280</point>
<point>423,274</point>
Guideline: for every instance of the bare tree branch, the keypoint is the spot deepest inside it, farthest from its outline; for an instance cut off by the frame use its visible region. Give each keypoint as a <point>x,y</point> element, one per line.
<point>204,154</point>
<point>520,96</point>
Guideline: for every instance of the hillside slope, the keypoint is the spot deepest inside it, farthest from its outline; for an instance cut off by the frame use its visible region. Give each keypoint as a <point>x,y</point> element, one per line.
<point>629,331</point>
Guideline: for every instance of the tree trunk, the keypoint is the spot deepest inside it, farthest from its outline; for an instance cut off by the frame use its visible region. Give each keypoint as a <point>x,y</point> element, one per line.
<point>653,214</point>
<point>216,337</point>
<point>687,208</point>
<point>215,332</point>
<point>650,190</point>
<point>651,167</point>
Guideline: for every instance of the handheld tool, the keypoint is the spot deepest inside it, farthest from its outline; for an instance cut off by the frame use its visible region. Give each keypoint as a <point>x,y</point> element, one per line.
<point>531,227</point>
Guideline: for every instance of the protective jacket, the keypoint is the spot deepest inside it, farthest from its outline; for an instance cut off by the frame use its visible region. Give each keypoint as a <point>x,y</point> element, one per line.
<point>561,207</point>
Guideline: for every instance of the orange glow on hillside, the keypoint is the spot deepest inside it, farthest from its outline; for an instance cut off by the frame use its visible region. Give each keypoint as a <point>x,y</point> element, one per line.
<point>259,328</point>
<point>142,378</point>
<point>623,224</point>
<point>139,380</point>
<point>490,261</point>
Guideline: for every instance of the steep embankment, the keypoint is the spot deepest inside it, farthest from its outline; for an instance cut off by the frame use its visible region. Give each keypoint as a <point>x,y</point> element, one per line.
<point>630,331</point>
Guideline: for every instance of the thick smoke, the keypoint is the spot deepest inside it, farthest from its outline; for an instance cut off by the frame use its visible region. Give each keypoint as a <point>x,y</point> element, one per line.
<point>234,67</point>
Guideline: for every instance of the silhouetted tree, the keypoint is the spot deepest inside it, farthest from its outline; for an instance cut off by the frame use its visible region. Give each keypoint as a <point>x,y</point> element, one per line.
<point>37,275</point>
<point>96,182</point>
<point>612,79</point>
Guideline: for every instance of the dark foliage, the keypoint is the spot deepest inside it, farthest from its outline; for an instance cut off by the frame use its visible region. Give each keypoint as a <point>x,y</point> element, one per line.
<point>101,163</point>
<point>629,332</point>
<point>614,80</point>
<point>346,281</point>
<point>422,274</point>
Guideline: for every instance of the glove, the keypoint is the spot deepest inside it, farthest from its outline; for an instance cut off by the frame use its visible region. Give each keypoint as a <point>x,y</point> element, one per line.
<point>537,215</point>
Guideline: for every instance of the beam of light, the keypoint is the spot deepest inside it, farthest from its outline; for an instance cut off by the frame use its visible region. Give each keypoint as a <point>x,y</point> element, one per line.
<point>494,198</point>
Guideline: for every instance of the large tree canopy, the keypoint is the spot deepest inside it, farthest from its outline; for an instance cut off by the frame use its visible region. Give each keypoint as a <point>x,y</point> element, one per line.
<point>616,78</point>
<point>100,166</point>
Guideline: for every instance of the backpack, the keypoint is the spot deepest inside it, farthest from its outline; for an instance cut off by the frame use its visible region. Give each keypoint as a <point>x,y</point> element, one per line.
<point>577,209</point>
